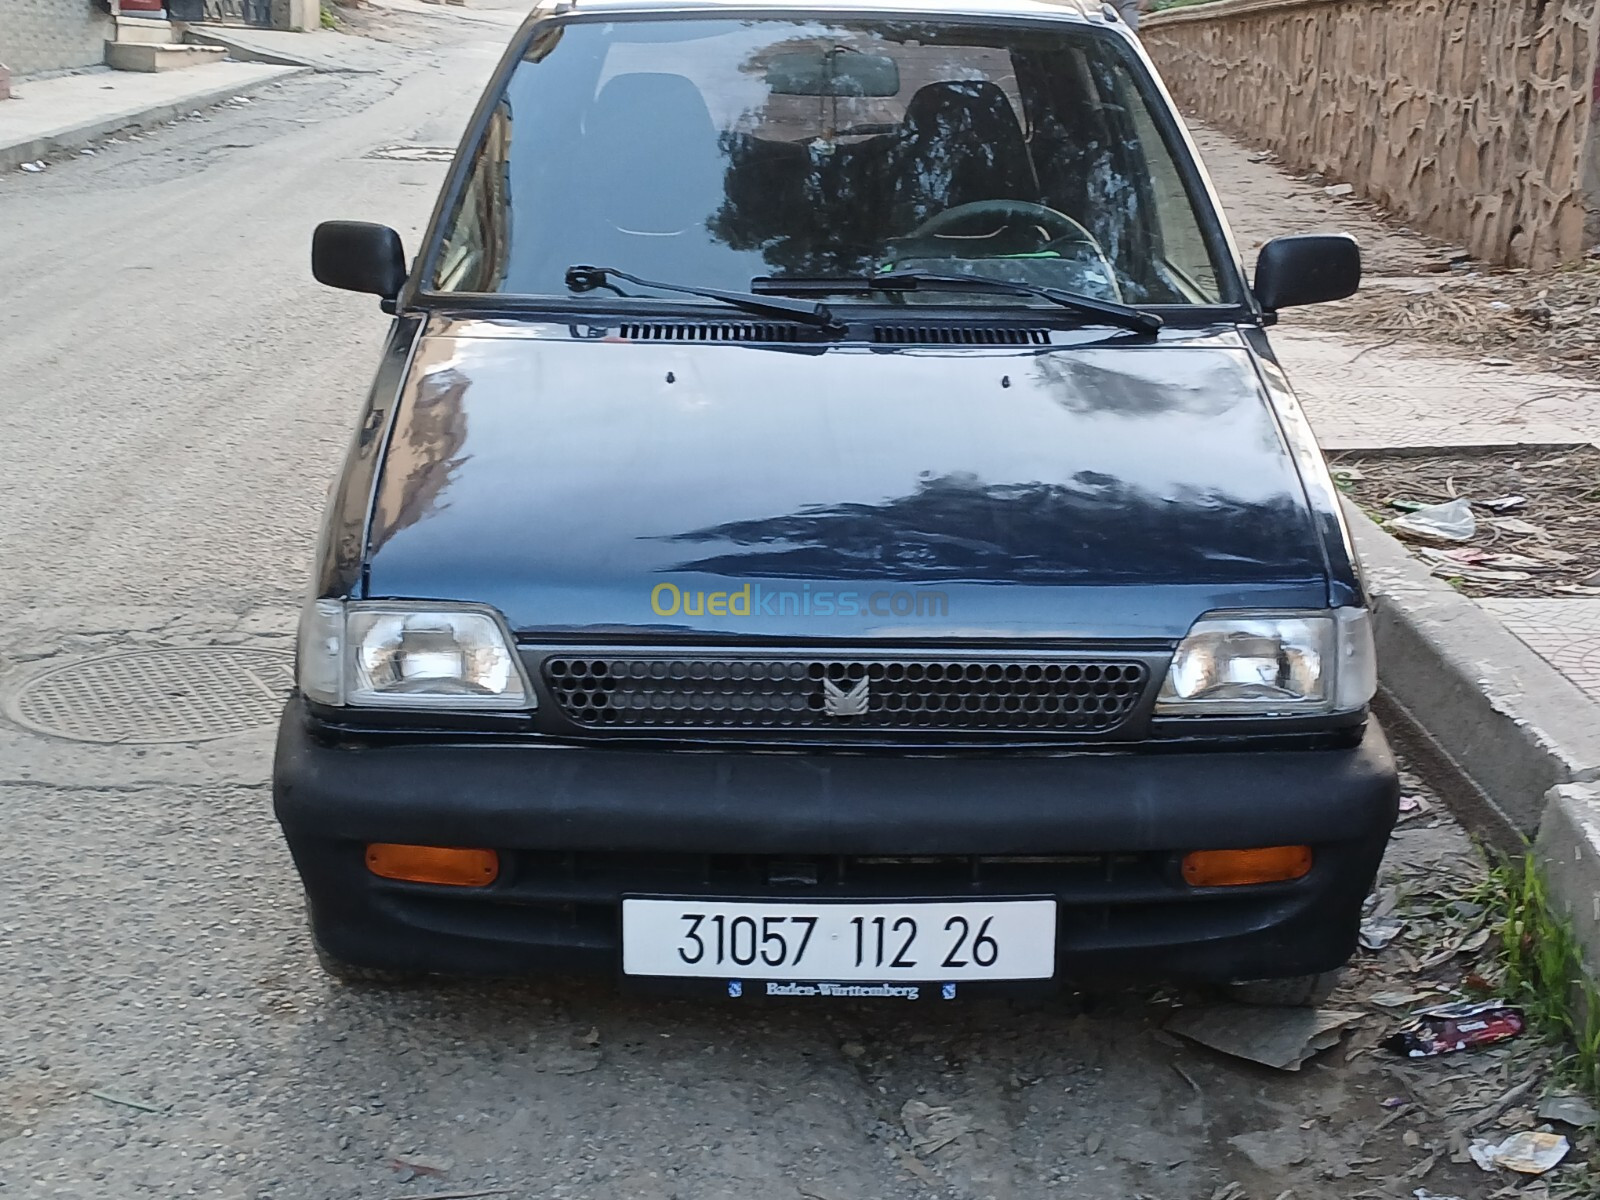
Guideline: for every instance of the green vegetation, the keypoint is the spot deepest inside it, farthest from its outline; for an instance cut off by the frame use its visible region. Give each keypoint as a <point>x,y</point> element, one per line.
<point>329,21</point>
<point>1542,967</point>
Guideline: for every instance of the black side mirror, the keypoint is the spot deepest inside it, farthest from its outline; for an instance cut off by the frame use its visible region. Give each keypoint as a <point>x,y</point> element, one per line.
<point>1308,269</point>
<point>359,257</point>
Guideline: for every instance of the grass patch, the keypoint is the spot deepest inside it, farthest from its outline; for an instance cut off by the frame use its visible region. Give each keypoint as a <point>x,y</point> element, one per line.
<point>1542,968</point>
<point>329,20</point>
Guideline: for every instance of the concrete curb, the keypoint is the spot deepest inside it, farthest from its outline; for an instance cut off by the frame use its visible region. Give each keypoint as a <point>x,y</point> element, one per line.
<point>66,139</point>
<point>1503,717</point>
<point>1568,848</point>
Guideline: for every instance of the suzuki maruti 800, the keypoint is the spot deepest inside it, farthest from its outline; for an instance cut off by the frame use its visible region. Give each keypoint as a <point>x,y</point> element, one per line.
<point>828,521</point>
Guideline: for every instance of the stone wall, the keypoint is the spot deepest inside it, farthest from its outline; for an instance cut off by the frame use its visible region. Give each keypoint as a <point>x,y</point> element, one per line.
<point>52,35</point>
<point>1470,119</point>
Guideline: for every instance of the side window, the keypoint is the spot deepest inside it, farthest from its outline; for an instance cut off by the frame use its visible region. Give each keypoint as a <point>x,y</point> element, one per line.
<point>1178,241</point>
<point>472,257</point>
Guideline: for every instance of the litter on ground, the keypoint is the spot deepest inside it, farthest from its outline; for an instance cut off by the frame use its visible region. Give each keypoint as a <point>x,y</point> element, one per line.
<point>1283,1038</point>
<point>1528,1153</point>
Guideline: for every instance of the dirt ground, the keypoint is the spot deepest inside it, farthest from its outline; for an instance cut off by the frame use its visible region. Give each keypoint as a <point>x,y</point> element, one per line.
<point>1547,545</point>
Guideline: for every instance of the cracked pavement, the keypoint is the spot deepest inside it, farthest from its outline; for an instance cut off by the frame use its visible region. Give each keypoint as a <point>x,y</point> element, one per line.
<point>180,394</point>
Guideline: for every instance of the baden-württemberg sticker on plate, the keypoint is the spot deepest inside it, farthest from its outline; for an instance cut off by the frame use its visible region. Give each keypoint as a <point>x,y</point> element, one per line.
<point>787,940</point>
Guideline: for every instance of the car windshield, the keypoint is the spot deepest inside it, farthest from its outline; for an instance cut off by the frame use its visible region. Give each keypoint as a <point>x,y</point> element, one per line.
<point>714,152</point>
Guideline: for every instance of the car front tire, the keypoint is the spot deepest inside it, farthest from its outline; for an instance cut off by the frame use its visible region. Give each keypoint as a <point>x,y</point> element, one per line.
<point>1297,991</point>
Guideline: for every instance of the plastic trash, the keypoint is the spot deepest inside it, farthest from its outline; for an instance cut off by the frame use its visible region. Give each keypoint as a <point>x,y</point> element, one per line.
<point>1378,932</point>
<point>1525,1153</point>
<point>1504,504</point>
<point>1452,522</point>
<point>1452,1028</point>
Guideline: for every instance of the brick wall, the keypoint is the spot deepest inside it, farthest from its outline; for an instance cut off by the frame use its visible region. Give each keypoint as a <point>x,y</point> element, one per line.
<point>1471,119</point>
<point>51,35</point>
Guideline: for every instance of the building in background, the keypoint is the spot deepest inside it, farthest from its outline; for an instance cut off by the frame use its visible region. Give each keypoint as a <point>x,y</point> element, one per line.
<point>37,36</point>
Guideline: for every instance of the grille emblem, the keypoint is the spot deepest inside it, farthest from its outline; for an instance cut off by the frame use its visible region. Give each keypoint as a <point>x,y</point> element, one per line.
<point>837,702</point>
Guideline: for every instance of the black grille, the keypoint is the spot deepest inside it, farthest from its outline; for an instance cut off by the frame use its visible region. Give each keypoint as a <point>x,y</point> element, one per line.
<point>958,335</point>
<point>720,331</point>
<point>656,691</point>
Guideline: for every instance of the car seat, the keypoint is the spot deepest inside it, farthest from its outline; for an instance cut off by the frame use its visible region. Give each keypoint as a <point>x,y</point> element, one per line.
<point>651,168</point>
<point>959,142</point>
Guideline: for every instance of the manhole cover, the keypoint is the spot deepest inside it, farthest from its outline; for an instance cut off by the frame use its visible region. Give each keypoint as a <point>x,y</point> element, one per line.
<point>411,152</point>
<point>156,695</point>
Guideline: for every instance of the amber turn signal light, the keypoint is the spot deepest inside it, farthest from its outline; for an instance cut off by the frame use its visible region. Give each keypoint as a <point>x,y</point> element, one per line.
<point>1230,868</point>
<point>433,864</point>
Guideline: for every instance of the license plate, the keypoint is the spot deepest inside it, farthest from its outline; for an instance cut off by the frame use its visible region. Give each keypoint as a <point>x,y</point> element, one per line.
<point>924,940</point>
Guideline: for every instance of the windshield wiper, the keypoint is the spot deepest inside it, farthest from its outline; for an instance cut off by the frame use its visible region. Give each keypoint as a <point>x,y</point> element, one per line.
<point>913,281</point>
<point>586,279</point>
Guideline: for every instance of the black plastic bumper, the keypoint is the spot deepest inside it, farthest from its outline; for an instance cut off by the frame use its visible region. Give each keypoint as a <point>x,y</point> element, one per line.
<point>578,828</point>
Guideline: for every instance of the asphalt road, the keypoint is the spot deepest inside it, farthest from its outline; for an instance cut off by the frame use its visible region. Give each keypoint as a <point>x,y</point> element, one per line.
<point>176,395</point>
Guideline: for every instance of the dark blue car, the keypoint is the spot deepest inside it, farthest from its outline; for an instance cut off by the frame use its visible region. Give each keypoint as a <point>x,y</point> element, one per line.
<point>828,521</point>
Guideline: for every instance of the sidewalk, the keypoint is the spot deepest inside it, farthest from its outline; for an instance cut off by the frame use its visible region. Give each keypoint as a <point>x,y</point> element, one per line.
<point>61,115</point>
<point>1364,396</point>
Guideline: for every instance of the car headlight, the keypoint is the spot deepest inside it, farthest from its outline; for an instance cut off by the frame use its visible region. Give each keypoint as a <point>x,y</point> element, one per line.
<point>389,655</point>
<point>1268,663</point>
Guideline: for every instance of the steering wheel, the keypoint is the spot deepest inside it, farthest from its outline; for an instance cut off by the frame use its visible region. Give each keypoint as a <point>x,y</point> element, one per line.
<point>956,222</point>
<point>976,233</point>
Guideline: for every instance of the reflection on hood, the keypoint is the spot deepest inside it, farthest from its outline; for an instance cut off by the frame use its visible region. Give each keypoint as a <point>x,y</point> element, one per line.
<point>958,527</point>
<point>1102,386</point>
<point>424,455</point>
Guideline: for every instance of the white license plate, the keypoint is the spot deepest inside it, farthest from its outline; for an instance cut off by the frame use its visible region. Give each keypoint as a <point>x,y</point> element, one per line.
<point>925,940</point>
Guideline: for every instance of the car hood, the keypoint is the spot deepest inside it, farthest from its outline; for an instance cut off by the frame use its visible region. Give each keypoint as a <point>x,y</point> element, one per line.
<point>1114,488</point>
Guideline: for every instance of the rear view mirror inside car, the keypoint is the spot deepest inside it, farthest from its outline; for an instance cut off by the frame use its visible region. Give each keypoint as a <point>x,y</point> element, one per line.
<point>836,72</point>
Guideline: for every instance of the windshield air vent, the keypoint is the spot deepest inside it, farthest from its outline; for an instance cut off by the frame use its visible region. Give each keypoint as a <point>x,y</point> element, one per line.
<point>721,331</point>
<point>958,335</point>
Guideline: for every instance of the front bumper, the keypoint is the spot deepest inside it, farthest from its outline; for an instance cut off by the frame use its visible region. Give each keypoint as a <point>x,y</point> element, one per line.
<point>579,827</point>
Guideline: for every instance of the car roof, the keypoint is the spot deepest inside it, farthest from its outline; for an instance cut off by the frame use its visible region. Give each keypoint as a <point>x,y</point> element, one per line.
<point>1047,10</point>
